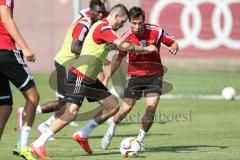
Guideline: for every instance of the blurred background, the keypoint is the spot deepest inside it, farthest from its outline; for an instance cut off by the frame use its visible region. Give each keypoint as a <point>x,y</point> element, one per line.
<point>208,32</point>
<point>192,122</point>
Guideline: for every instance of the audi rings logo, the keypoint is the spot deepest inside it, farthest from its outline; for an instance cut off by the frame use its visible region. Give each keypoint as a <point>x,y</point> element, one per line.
<point>191,33</point>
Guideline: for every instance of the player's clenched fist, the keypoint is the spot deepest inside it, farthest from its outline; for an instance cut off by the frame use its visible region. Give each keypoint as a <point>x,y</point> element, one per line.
<point>173,48</point>
<point>29,54</point>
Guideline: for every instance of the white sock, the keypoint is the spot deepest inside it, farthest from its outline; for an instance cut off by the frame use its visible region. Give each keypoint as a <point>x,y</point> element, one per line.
<point>141,135</point>
<point>38,110</point>
<point>88,128</point>
<point>113,125</point>
<point>43,138</point>
<point>109,121</point>
<point>50,120</point>
<point>23,136</point>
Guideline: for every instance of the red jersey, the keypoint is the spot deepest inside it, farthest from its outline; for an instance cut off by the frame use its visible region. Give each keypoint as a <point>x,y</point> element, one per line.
<point>146,64</point>
<point>6,41</point>
<point>81,28</point>
<point>103,33</point>
<point>96,44</point>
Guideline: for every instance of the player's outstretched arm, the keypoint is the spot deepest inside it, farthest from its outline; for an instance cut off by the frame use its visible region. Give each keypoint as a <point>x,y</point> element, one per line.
<point>9,24</point>
<point>173,49</point>
<point>128,47</point>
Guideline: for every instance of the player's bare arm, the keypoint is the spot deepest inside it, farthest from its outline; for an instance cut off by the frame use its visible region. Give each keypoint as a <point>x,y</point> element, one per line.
<point>128,47</point>
<point>115,63</point>
<point>9,24</point>
<point>173,49</point>
<point>76,46</point>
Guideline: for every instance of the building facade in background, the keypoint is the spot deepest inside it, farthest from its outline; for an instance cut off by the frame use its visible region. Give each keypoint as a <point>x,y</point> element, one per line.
<point>204,28</point>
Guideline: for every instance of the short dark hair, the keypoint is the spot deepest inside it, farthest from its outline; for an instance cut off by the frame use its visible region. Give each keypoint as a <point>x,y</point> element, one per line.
<point>95,3</point>
<point>136,12</point>
<point>121,7</point>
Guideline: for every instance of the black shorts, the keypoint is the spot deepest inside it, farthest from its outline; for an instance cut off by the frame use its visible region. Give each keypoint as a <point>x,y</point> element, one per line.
<point>138,86</point>
<point>13,69</point>
<point>77,88</point>
<point>61,76</point>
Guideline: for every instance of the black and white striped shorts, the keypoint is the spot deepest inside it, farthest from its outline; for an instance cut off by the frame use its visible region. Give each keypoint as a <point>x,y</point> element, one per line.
<point>13,69</point>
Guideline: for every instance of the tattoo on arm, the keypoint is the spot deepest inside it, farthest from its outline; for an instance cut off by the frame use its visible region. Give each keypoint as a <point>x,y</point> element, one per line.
<point>121,44</point>
<point>133,48</point>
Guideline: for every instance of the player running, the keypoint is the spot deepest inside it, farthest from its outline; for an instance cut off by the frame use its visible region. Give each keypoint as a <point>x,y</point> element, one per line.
<point>82,79</point>
<point>145,73</point>
<point>14,69</point>
<point>63,60</point>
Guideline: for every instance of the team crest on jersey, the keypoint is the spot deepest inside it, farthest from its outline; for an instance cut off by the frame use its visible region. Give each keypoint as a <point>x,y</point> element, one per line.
<point>143,43</point>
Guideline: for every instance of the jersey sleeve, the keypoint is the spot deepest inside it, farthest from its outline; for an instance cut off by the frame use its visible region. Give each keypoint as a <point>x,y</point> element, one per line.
<point>85,12</point>
<point>104,34</point>
<point>161,35</point>
<point>107,34</point>
<point>8,3</point>
<point>167,39</point>
<point>80,30</point>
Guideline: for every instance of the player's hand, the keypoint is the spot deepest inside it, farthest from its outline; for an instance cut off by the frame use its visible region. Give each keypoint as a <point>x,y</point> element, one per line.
<point>173,49</point>
<point>151,48</point>
<point>29,55</point>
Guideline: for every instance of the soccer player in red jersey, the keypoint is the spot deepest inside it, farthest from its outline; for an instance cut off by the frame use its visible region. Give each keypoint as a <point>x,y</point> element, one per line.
<point>82,79</point>
<point>14,69</point>
<point>145,72</point>
<point>69,51</point>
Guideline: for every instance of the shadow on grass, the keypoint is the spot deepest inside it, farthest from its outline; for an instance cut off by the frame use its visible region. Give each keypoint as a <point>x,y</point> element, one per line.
<point>117,135</point>
<point>177,149</point>
<point>174,149</point>
<point>182,148</point>
<point>133,123</point>
<point>109,152</point>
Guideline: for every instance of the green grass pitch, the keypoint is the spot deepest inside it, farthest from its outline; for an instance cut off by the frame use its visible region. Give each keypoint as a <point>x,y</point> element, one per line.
<point>185,129</point>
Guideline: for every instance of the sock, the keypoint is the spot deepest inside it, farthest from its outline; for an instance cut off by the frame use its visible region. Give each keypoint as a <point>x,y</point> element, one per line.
<point>43,138</point>
<point>88,128</point>
<point>38,110</point>
<point>141,135</point>
<point>23,136</point>
<point>113,124</point>
<point>50,120</point>
<point>109,121</point>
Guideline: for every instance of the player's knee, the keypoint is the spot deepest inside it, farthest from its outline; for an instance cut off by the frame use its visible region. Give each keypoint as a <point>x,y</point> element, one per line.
<point>72,117</point>
<point>130,103</point>
<point>151,109</point>
<point>69,117</point>
<point>33,99</point>
<point>127,109</point>
<point>72,114</point>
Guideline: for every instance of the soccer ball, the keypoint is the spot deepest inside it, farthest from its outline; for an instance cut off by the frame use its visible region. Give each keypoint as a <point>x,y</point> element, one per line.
<point>130,147</point>
<point>228,93</point>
